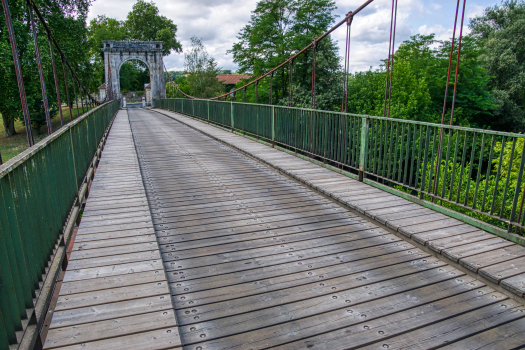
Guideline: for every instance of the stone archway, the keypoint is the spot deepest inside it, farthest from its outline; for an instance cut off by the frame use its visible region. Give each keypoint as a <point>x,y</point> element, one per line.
<point>148,52</point>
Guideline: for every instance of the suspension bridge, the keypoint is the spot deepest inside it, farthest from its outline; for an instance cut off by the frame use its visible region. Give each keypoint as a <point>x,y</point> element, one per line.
<point>220,224</point>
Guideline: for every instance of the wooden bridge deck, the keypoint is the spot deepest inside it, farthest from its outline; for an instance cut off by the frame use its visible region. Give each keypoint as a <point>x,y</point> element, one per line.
<point>254,259</point>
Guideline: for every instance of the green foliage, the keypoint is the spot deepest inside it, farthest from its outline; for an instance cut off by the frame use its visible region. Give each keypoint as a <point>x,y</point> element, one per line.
<point>67,20</point>
<point>458,180</point>
<point>202,71</point>
<point>105,28</point>
<point>182,83</point>
<point>501,31</point>
<point>419,81</point>
<point>133,76</point>
<point>144,23</point>
<point>279,28</point>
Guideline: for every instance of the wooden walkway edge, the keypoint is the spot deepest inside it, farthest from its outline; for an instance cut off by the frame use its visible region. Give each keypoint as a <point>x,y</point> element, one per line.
<point>494,259</point>
<point>115,294</point>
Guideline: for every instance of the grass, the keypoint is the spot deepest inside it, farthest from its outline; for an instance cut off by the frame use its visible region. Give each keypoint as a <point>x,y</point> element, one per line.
<point>11,146</point>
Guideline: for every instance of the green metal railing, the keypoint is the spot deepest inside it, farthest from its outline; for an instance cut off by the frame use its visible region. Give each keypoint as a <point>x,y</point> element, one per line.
<point>37,191</point>
<point>476,172</point>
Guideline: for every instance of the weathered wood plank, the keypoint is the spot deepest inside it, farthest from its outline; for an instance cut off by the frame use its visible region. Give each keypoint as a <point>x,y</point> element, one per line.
<point>79,334</point>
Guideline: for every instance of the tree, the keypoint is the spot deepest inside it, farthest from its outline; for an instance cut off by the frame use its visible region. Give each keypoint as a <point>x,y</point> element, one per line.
<point>67,19</point>
<point>419,82</point>
<point>105,28</point>
<point>279,28</point>
<point>501,31</point>
<point>144,23</point>
<point>133,76</point>
<point>202,71</point>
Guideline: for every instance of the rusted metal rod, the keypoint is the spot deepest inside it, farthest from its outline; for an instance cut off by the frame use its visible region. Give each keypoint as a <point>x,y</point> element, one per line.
<point>328,32</point>
<point>59,102</point>
<point>18,72</point>
<point>40,70</point>
<point>314,66</point>
<point>290,88</point>
<point>392,63</point>
<point>457,64</point>
<point>450,63</point>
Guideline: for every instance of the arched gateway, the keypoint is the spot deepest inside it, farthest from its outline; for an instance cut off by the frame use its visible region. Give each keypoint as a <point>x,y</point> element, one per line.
<point>148,52</point>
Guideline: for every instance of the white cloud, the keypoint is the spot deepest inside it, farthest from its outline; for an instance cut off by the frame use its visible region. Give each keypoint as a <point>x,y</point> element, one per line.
<point>218,22</point>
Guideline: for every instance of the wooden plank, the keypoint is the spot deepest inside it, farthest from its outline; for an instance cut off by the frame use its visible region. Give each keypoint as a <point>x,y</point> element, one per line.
<point>424,218</point>
<point>112,228</point>
<point>113,260</point>
<point>203,267</point>
<point>475,262</point>
<point>166,338</point>
<point>363,306</point>
<point>254,224</point>
<point>392,217</point>
<point>112,211</point>
<point>507,336</point>
<point>213,245</point>
<point>498,272</point>
<point>129,279</point>
<point>113,242</point>
<point>114,250</point>
<point>397,324</point>
<point>75,301</point>
<point>515,284</point>
<point>194,240</point>
<point>271,272</point>
<point>116,221</point>
<point>428,236</point>
<point>440,244</point>
<point>88,216</point>
<point>451,330</point>
<point>434,225</point>
<point>462,251</point>
<point>67,336</point>
<point>319,287</point>
<point>294,277</point>
<point>144,231</point>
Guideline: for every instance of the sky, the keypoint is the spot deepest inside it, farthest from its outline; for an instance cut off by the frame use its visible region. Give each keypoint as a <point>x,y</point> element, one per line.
<point>217,23</point>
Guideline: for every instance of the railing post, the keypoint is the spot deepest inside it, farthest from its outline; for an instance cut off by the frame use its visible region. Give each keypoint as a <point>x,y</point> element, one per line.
<point>208,104</point>
<point>273,126</point>
<point>363,147</point>
<point>231,110</point>
<point>517,189</point>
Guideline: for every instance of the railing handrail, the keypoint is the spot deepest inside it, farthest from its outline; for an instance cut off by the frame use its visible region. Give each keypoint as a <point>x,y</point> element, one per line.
<point>406,121</point>
<point>41,193</point>
<point>22,157</point>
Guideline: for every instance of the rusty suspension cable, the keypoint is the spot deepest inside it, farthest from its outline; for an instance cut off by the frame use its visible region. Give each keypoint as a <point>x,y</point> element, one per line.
<point>344,103</point>
<point>457,64</point>
<point>282,64</point>
<point>49,32</point>
<point>392,61</point>
<point>18,72</point>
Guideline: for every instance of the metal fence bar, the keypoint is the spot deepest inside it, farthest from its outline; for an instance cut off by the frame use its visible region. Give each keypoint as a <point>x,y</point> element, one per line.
<point>38,189</point>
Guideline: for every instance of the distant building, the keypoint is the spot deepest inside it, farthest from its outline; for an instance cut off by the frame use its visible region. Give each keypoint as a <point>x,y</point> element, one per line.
<point>230,80</point>
<point>102,92</point>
